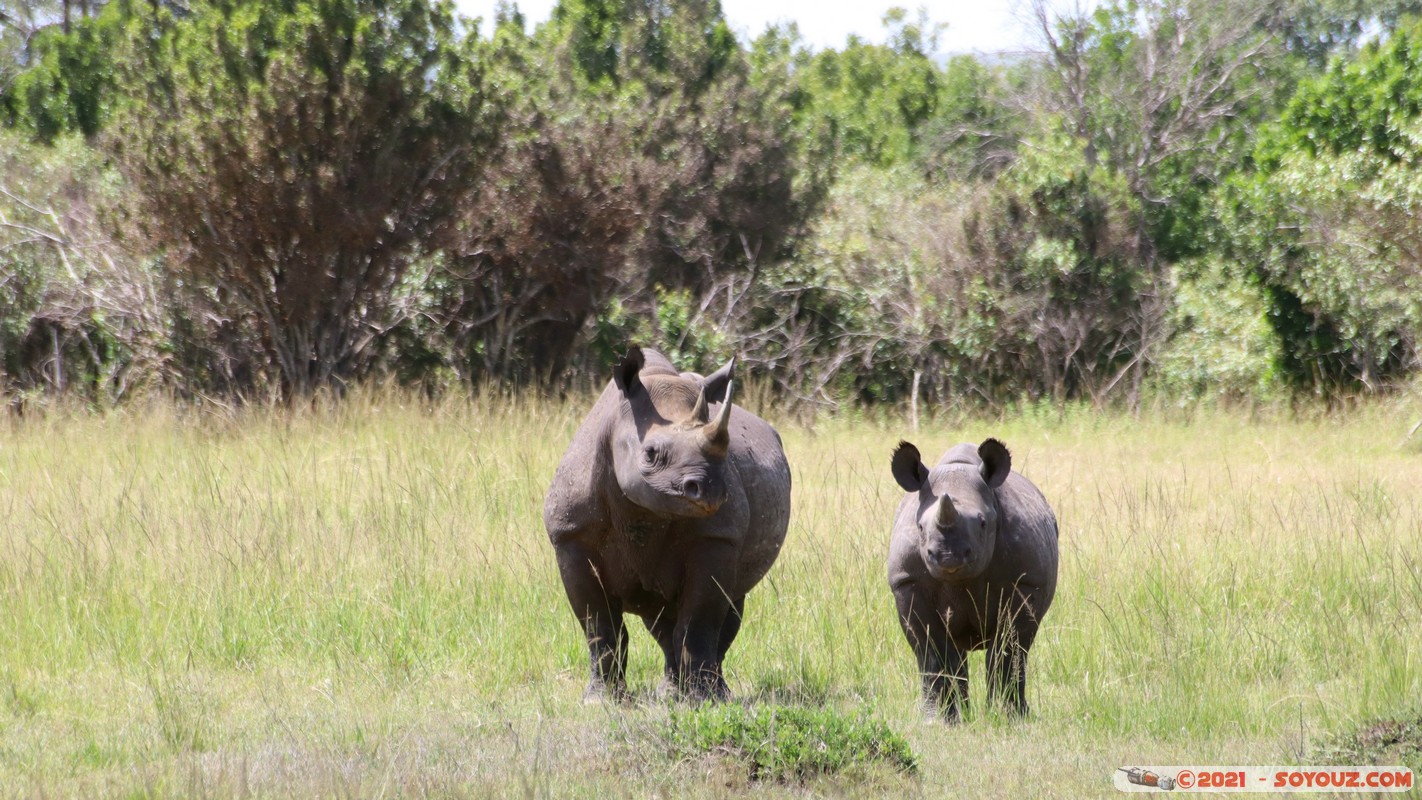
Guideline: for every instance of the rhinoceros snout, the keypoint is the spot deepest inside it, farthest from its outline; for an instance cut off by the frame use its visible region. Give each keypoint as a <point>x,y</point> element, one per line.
<point>949,561</point>
<point>703,492</point>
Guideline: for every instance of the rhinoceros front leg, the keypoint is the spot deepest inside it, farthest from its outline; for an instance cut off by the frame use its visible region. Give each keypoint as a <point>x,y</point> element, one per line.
<point>1007,666</point>
<point>941,665</point>
<point>1013,629</point>
<point>663,628</point>
<point>1007,674</point>
<point>600,615</point>
<point>701,620</point>
<point>730,628</point>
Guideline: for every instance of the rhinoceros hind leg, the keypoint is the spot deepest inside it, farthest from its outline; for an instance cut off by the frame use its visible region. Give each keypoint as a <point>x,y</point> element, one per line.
<point>662,625</point>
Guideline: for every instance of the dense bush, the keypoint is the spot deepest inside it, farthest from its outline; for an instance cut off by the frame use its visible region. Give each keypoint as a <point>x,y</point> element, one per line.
<point>1329,224</point>
<point>245,198</point>
<point>293,160</point>
<point>646,168</point>
<point>78,312</point>
<point>1221,347</point>
<point>786,742</point>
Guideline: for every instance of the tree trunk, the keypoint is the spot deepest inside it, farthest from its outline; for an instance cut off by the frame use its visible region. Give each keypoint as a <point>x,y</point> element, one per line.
<point>913,399</point>
<point>58,375</point>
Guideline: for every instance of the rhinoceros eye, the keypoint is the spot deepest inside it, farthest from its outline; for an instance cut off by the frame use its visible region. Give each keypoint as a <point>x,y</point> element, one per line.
<point>650,455</point>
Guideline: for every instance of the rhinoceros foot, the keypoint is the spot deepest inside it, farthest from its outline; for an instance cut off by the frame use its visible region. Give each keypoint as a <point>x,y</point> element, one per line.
<point>599,692</point>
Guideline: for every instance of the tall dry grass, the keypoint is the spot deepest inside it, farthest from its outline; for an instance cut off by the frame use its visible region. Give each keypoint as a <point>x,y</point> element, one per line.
<point>361,600</point>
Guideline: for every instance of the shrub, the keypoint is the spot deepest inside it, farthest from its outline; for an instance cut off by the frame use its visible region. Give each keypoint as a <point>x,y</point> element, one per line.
<point>294,159</point>
<point>1384,742</point>
<point>787,742</point>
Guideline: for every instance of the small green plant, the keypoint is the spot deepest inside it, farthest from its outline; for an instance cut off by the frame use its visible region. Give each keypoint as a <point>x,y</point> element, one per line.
<point>1380,742</point>
<point>787,742</point>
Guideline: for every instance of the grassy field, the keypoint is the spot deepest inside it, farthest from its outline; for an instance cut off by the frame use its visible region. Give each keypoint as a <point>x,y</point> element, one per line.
<point>362,602</point>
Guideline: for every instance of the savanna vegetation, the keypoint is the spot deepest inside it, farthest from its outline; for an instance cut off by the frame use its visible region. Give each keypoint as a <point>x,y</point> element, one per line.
<point>301,300</point>
<point>1167,201</point>
<point>360,600</point>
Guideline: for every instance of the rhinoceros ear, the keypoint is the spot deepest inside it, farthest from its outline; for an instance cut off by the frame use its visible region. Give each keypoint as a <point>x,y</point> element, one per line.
<point>908,467</point>
<point>997,462</point>
<point>717,381</point>
<point>625,375</point>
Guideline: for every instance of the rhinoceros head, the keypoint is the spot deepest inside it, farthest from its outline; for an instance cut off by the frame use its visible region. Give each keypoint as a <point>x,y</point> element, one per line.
<point>957,513</point>
<point>668,453</point>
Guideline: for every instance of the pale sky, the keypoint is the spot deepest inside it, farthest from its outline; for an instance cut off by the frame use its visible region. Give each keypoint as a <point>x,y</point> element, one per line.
<point>983,26</point>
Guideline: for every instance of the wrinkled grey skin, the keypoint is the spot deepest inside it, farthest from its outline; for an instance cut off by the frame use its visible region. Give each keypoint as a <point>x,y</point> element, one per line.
<point>973,565</point>
<point>669,507</point>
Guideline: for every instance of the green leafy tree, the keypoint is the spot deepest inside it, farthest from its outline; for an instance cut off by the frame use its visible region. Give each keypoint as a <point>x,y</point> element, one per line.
<point>974,131</point>
<point>1163,98</point>
<point>1318,30</point>
<point>1222,348</point>
<point>293,159</point>
<point>19,22</point>
<point>1165,93</point>
<point>866,102</point>
<point>644,167</point>
<point>1329,223</point>
<point>64,79</point>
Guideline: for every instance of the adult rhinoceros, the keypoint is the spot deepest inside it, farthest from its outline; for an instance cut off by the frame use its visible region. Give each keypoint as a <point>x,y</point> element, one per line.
<point>670,504</point>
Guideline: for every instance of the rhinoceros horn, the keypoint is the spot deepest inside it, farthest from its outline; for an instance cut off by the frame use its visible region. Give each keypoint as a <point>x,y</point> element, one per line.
<point>698,411</point>
<point>947,514</point>
<point>718,431</point>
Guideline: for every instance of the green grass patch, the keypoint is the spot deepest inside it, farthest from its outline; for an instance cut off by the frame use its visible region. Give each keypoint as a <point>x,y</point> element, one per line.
<point>1381,742</point>
<point>788,743</point>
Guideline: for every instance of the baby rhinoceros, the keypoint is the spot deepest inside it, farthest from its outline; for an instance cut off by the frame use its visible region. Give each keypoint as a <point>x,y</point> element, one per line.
<point>669,504</point>
<point>973,565</point>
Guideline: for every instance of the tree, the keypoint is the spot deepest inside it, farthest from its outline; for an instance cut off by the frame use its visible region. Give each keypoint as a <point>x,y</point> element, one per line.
<point>644,164</point>
<point>973,132</point>
<point>1166,93</point>
<point>1329,222</point>
<point>866,102</point>
<point>1162,96</point>
<point>1318,30</point>
<point>77,313</point>
<point>63,77</point>
<point>19,22</point>
<point>295,158</point>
